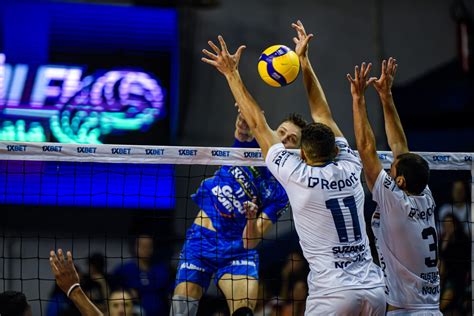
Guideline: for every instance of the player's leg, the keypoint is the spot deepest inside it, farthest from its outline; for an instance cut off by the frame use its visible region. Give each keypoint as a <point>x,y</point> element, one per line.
<point>241,292</point>
<point>374,301</point>
<point>185,301</point>
<point>238,280</point>
<point>193,275</point>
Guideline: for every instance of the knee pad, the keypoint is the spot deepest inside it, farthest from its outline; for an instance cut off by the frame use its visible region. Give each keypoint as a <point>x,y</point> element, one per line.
<point>183,306</point>
<point>243,311</point>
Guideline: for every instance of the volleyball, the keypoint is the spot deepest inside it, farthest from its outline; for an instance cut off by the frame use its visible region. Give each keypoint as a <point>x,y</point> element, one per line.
<point>278,65</point>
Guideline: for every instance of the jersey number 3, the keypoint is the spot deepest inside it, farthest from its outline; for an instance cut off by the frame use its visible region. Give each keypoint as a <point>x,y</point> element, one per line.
<point>430,231</point>
<point>338,216</point>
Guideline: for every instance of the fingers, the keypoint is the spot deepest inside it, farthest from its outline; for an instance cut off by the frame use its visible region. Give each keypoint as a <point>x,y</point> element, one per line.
<point>214,47</point>
<point>371,80</point>
<point>384,67</point>
<point>349,77</point>
<point>295,40</point>
<point>69,258</point>
<point>208,61</point>
<point>392,66</point>
<point>53,261</point>
<point>356,73</point>
<point>61,256</point>
<point>367,70</point>
<point>239,51</point>
<point>223,44</point>
<point>308,38</point>
<point>209,54</point>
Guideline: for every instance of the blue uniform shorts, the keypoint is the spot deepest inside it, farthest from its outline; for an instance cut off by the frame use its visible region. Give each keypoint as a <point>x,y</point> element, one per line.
<point>206,252</point>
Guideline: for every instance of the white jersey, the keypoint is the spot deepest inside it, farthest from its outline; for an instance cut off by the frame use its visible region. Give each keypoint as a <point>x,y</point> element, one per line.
<point>404,226</point>
<point>328,206</point>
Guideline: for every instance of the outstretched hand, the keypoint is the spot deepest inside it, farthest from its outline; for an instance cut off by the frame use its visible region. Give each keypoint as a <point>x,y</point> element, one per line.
<point>383,85</point>
<point>64,271</point>
<point>251,208</point>
<point>302,40</point>
<point>225,62</point>
<point>360,82</point>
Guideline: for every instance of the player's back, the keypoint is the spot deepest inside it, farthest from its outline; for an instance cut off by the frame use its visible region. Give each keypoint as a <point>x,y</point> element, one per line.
<point>407,244</point>
<point>328,205</point>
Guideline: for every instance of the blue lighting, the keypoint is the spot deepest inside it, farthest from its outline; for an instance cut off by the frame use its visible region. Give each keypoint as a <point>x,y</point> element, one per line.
<point>98,185</point>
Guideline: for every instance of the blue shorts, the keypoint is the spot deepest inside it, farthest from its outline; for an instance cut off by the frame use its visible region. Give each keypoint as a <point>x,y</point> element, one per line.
<point>205,253</point>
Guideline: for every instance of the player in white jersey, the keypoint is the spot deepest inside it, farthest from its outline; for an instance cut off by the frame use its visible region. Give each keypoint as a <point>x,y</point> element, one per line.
<point>403,223</point>
<point>326,196</point>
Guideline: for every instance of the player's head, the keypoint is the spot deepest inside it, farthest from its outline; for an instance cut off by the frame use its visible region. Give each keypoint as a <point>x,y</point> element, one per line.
<point>145,246</point>
<point>459,192</point>
<point>14,304</point>
<point>318,143</point>
<point>411,173</point>
<point>120,303</point>
<point>289,131</point>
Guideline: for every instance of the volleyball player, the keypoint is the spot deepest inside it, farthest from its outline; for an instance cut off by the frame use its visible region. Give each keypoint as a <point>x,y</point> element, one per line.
<point>226,230</point>
<point>326,197</point>
<point>403,223</point>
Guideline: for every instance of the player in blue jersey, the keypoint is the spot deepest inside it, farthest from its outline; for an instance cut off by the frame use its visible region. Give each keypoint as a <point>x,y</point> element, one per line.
<point>228,228</point>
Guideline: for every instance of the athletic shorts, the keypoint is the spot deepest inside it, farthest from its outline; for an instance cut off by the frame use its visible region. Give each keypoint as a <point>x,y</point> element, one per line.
<point>206,253</point>
<point>348,302</point>
<point>415,312</point>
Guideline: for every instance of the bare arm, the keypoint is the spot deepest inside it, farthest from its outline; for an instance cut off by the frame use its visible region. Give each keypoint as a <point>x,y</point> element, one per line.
<point>66,276</point>
<point>256,227</point>
<point>227,64</point>
<point>319,107</point>
<point>364,135</point>
<point>393,126</point>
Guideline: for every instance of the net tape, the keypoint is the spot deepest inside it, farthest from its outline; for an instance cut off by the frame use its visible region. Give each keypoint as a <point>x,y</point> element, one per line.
<point>185,155</point>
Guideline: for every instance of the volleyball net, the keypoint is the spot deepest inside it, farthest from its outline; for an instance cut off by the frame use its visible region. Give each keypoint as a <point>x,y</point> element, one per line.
<point>113,205</point>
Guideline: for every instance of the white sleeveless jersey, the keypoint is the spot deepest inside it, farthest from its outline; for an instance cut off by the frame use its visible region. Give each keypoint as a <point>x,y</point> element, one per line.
<point>406,238</point>
<point>328,207</point>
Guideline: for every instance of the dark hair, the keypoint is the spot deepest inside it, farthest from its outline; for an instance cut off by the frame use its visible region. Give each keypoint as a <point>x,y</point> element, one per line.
<point>296,119</point>
<point>318,142</point>
<point>13,303</point>
<point>415,170</point>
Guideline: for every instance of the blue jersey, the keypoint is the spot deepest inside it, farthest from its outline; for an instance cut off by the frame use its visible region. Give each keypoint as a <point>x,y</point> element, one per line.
<point>222,197</point>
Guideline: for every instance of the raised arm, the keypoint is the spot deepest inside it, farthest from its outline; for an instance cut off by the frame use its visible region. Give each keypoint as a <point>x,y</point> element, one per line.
<point>256,227</point>
<point>227,64</point>
<point>320,111</point>
<point>364,135</point>
<point>68,280</point>
<point>393,126</point>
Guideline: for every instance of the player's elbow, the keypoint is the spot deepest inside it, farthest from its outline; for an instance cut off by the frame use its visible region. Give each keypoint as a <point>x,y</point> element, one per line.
<point>251,243</point>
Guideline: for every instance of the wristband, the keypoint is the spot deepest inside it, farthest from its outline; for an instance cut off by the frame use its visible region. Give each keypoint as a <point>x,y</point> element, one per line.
<point>72,288</point>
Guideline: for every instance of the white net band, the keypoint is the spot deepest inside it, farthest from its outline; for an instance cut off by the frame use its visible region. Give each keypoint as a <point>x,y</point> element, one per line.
<point>184,155</point>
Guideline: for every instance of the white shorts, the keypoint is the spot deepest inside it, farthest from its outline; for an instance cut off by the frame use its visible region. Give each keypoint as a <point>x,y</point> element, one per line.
<point>415,312</point>
<point>348,302</point>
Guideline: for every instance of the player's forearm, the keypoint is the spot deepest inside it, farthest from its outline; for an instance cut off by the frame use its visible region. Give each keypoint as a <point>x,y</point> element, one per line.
<point>252,234</point>
<point>317,100</point>
<point>247,105</point>
<point>365,139</point>
<point>393,126</point>
<point>251,112</point>
<point>83,304</point>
